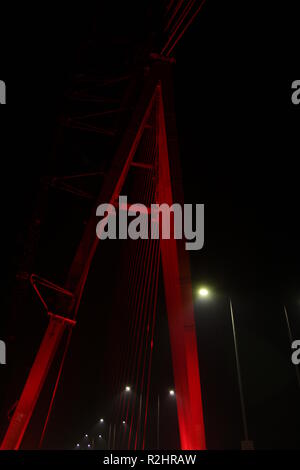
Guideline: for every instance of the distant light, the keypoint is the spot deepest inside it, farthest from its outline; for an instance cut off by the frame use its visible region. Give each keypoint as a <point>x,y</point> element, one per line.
<point>86,435</point>
<point>89,445</point>
<point>77,445</point>
<point>100,437</point>
<point>127,388</point>
<point>172,392</point>
<point>203,292</point>
<point>124,422</point>
<point>101,420</point>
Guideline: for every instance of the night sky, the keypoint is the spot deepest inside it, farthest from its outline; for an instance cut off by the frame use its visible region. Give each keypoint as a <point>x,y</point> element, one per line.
<point>239,145</point>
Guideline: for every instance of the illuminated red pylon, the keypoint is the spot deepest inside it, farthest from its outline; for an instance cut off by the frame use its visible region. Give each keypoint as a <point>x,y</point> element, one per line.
<point>156,95</point>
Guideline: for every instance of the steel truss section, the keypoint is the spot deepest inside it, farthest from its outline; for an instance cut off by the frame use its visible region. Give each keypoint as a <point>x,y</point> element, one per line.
<point>156,95</point>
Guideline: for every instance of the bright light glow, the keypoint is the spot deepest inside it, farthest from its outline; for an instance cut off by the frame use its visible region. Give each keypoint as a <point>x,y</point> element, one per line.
<point>203,292</point>
<point>89,445</point>
<point>127,388</point>
<point>77,445</point>
<point>124,422</point>
<point>86,435</point>
<point>101,420</point>
<point>100,437</point>
<point>171,392</point>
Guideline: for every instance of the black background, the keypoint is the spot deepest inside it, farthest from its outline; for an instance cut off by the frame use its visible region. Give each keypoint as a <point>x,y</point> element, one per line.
<point>239,143</point>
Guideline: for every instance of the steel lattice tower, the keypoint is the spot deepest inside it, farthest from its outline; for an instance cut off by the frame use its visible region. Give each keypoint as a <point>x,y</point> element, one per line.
<point>142,104</point>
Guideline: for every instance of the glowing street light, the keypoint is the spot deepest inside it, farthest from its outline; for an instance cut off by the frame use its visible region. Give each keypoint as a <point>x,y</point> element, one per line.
<point>100,437</point>
<point>246,444</point>
<point>89,445</point>
<point>77,445</point>
<point>86,435</point>
<point>127,388</point>
<point>124,422</point>
<point>203,292</point>
<point>171,392</point>
<point>101,420</point>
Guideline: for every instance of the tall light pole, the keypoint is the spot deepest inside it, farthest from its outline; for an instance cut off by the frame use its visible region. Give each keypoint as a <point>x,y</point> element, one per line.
<point>291,340</point>
<point>139,427</point>
<point>158,421</point>
<point>114,437</point>
<point>109,436</point>
<point>246,444</point>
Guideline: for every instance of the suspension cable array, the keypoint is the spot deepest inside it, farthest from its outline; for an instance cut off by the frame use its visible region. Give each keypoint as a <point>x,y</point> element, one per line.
<point>136,125</point>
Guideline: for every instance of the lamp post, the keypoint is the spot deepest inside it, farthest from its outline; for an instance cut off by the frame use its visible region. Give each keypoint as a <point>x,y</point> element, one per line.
<point>158,421</point>
<point>172,394</point>
<point>114,437</point>
<point>246,444</point>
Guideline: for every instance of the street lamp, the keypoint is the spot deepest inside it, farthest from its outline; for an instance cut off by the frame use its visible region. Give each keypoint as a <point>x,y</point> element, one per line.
<point>101,420</point>
<point>203,292</point>
<point>246,443</point>
<point>172,394</point>
<point>86,435</point>
<point>127,388</point>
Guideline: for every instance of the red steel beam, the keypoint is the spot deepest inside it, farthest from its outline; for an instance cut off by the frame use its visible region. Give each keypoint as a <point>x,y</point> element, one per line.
<point>77,275</point>
<point>177,283</point>
<point>35,381</point>
<point>175,270</point>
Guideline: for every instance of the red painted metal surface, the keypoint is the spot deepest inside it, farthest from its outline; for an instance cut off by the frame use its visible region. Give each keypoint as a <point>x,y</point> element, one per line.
<point>178,292</point>
<point>175,272</point>
<point>34,384</point>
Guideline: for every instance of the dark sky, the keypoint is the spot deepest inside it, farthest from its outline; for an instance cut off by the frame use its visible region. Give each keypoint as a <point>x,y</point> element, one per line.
<point>239,145</point>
